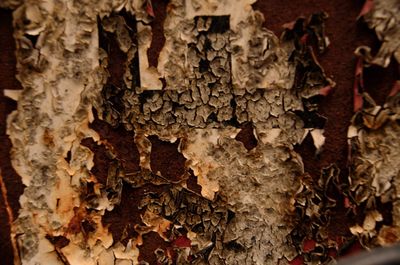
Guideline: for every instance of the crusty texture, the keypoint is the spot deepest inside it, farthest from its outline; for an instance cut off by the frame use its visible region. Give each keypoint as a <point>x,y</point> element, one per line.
<point>254,116</point>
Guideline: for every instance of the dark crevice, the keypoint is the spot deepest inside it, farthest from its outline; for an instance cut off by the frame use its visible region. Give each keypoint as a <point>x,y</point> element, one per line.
<point>235,246</point>
<point>307,148</point>
<point>101,160</point>
<point>192,183</point>
<point>219,24</point>
<point>246,136</point>
<point>233,121</point>
<point>32,38</point>
<point>386,210</point>
<point>379,81</point>
<point>212,118</point>
<point>116,57</point>
<point>125,216</point>
<point>68,157</point>
<point>11,179</point>
<point>58,241</point>
<point>88,227</point>
<point>231,215</point>
<point>204,66</point>
<point>312,119</point>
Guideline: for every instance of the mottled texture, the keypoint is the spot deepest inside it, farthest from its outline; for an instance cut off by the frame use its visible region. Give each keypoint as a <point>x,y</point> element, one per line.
<point>333,61</point>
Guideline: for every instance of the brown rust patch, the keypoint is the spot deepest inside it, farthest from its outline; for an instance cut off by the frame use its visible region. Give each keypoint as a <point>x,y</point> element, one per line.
<point>122,142</point>
<point>157,25</point>
<point>116,57</point>
<point>166,159</point>
<point>148,248</point>
<point>75,224</point>
<point>101,160</point>
<point>121,221</point>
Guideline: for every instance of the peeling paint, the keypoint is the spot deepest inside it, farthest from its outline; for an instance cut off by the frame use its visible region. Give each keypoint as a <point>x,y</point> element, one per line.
<point>218,70</point>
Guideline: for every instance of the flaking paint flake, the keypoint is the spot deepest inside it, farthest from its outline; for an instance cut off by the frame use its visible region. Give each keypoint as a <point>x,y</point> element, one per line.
<point>374,175</point>
<point>218,70</point>
<point>382,16</point>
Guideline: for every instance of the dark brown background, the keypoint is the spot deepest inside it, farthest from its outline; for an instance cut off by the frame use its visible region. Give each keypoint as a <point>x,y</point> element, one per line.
<point>345,34</point>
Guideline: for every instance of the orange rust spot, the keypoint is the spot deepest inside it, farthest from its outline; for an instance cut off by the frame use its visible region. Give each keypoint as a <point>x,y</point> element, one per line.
<point>48,138</point>
<point>75,224</point>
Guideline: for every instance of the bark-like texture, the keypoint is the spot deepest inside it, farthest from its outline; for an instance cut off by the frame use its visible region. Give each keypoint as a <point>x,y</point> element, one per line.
<point>186,110</point>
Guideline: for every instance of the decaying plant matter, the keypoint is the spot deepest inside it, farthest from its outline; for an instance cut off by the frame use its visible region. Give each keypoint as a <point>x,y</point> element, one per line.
<point>92,106</point>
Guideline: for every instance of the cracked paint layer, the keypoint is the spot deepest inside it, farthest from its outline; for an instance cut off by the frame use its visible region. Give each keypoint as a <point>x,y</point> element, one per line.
<point>219,70</point>
<point>205,98</point>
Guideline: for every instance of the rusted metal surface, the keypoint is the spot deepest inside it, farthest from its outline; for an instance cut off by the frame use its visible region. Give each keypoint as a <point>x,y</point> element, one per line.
<point>162,186</point>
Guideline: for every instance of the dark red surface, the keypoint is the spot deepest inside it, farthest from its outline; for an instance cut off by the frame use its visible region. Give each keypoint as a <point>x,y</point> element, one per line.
<point>122,143</point>
<point>166,159</point>
<point>158,40</point>
<point>345,34</point>
<point>12,180</point>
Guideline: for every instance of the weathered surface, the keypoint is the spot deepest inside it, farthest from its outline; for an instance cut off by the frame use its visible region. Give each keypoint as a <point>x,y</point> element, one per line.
<point>374,176</point>
<point>384,17</point>
<point>221,71</point>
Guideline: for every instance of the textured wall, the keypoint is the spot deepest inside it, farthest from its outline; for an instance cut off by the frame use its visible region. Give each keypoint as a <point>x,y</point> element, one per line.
<point>339,62</point>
